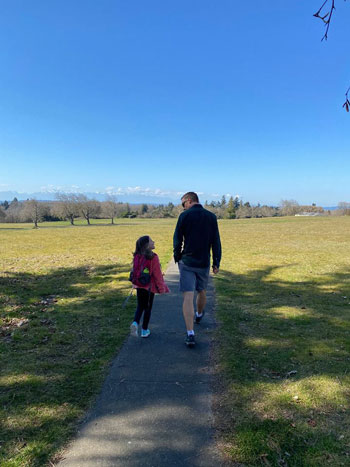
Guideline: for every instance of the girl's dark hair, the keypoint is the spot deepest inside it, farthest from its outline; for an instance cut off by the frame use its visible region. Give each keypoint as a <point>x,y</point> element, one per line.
<point>142,247</point>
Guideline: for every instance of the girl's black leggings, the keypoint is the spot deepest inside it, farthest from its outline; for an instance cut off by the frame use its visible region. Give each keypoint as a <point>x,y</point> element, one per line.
<point>144,305</point>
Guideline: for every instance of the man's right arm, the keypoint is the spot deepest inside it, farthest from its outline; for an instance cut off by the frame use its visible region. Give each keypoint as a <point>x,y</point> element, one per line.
<point>177,240</point>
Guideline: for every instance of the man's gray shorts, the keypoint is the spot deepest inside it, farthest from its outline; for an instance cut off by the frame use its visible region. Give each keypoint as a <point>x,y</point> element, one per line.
<point>192,279</point>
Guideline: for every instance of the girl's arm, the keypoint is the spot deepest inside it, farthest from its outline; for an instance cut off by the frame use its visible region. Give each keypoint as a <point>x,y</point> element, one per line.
<point>158,276</point>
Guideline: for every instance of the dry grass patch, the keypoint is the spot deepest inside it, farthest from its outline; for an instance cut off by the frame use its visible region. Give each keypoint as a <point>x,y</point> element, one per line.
<point>283,302</point>
<point>61,322</point>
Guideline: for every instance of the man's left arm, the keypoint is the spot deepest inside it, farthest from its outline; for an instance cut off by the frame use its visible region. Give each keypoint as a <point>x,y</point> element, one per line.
<point>216,248</point>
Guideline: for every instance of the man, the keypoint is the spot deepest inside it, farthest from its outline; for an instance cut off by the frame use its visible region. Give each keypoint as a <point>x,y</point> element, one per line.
<point>196,233</point>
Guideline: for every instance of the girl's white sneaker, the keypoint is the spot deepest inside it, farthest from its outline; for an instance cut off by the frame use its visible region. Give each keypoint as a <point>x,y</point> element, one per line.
<point>145,332</point>
<point>134,327</point>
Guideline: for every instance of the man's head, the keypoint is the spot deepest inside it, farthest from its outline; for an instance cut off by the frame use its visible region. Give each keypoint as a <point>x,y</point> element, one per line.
<point>189,199</point>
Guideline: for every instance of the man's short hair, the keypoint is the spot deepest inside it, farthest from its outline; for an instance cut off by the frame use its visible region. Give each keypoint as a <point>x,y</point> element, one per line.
<point>192,196</point>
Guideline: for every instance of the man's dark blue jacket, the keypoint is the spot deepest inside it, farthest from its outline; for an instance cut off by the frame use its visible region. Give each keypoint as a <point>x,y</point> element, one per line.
<point>197,233</point>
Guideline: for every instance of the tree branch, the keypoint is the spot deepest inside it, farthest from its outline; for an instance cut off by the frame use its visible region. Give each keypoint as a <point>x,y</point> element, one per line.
<point>346,104</point>
<point>327,17</point>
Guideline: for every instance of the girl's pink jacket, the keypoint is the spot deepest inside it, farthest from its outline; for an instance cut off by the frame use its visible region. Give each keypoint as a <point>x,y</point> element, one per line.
<point>157,281</point>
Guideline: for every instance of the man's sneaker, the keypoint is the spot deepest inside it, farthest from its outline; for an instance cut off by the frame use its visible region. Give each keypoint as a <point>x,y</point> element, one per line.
<point>134,329</point>
<point>145,332</point>
<point>199,318</point>
<point>190,342</point>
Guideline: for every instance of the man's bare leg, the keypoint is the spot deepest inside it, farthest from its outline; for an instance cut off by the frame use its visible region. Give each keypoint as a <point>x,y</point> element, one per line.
<point>201,301</point>
<point>188,310</point>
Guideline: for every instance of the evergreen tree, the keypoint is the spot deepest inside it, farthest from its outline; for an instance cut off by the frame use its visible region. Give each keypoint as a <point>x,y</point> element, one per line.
<point>127,212</point>
<point>231,210</point>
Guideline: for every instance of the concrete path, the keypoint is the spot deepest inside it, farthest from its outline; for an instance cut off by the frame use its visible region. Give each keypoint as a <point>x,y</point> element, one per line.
<point>155,405</point>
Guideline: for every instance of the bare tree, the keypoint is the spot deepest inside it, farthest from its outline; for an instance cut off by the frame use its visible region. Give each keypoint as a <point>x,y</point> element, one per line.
<point>13,212</point>
<point>244,210</point>
<point>33,210</point>
<point>289,207</point>
<point>67,206</point>
<point>88,208</point>
<point>344,206</point>
<point>2,214</point>
<point>325,13</point>
<point>110,208</point>
<point>267,211</point>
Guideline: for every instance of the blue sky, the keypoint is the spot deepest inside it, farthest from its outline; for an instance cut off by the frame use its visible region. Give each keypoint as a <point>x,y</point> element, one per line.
<point>160,97</point>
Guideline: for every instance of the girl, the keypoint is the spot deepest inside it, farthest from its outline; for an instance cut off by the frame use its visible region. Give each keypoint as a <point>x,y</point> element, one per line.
<point>149,262</point>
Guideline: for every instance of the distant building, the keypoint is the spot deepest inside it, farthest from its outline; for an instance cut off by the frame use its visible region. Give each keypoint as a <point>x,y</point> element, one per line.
<point>309,214</point>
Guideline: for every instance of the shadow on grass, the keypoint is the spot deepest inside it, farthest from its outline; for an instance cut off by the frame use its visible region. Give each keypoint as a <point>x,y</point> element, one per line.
<point>54,386</point>
<point>53,365</point>
<point>58,333</point>
<point>285,352</point>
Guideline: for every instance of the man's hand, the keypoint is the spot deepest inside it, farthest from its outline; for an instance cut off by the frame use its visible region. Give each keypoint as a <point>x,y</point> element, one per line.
<point>215,269</point>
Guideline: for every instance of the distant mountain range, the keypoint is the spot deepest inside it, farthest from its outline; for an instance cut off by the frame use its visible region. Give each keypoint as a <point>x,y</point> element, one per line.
<point>51,196</point>
<point>124,198</point>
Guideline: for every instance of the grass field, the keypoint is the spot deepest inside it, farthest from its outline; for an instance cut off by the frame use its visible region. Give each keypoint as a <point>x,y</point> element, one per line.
<point>284,305</point>
<point>283,347</point>
<point>61,322</point>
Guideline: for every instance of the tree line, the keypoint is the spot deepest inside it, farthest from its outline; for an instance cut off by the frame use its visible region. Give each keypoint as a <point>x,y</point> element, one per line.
<point>70,207</point>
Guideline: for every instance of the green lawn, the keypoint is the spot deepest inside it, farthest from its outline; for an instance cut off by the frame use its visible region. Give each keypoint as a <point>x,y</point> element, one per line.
<point>283,347</point>
<point>61,322</point>
<point>284,353</point>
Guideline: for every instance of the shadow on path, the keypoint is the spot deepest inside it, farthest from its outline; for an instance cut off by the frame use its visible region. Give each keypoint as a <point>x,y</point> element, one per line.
<point>155,406</point>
